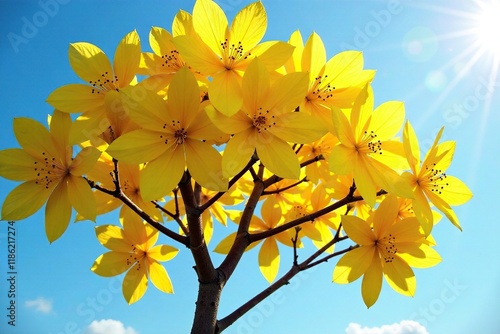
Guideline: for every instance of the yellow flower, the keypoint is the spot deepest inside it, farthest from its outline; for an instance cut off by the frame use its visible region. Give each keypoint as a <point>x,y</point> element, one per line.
<point>224,53</point>
<point>51,175</point>
<point>366,150</point>
<point>337,82</point>
<point>99,100</point>
<point>429,180</point>
<point>130,178</point>
<point>388,250</point>
<point>320,148</point>
<point>267,122</point>
<point>132,248</point>
<point>173,135</point>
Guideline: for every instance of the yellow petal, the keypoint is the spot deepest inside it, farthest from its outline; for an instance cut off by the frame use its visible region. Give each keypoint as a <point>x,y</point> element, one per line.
<point>249,26</point>
<point>342,159</point>
<point>198,54</point>
<point>365,184</point>
<point>57,212</point>
<point>272,54</point>
<point>237,123</point>
<point>387,119</point>
<point>146,108</point>
<point>297,127</point>
<point>24,200</point>
<point>287,92</point>
<point>342,128</point>
<point>127,58</point>
<point>237,153</point>
<point>419,256</point>
<point>138,146</point>
<point>110,264</point>
<point>75,98</point>
<point>182,24</point>
<point>277,155</point>
<point>358,230</point>
<point>411,147</point>
<point>171,163</point>
<point>385,216</point>
<point>362,111</point>
<point>84,161</point>
<point>81,197</point>
<point>210,23</point>
<point>269,259</point>
<point>344,68</point>
<point>184,97</point>
<point>204,164</point>
<point>313,56</point>
<point>353,264</point>
<point>135,283</point>
<point>159,277</point>
<point>400,277</point>
<point>60,125</point>
<point>422,210</point>
<point>34,138</point>
<point>89,126</point>
<point>162,253</point>
<point>255,86</point>
<point>225,92</point>
<point>113,238</point>
<point>17,165</point>
<point>89,62</point>
<point>372,282</point>
<point>453,190</point>
<point>225,244</point>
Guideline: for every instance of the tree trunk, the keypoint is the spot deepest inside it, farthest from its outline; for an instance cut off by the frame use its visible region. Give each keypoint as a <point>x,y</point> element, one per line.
<point>207,305</point>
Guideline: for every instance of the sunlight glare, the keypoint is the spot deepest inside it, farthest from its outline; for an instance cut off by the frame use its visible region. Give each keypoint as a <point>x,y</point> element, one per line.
<point>488,28</point>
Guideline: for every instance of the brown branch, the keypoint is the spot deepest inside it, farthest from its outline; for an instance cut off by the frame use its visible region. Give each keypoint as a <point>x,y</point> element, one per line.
<point>241,241</point>
<point>173,216</point>
<point>128,202</point>
<point>284,188</point>
<point>203,262</point>
<point>310,217</point>
<point>214,198</point>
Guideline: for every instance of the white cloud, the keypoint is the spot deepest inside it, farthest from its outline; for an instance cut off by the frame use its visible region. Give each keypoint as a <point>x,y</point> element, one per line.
<point>109,326</point>
<point>404,327</point>
<point>40,304</point>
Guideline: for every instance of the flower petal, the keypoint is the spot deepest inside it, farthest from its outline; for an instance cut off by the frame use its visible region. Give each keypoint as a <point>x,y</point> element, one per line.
<point>277,155</point>
<point>358,230</point>
<point>110,264</point>
<point>154,184</point>
<point>372,281</point>
<point>34,138</point>
<point>135,283</point>
<point>17,165</point>
<point>26,199</point>
<point>210,23</point>
<point>57,212</point>
<point>204,164</point>
<point>249,26</point>
<point>159,276</point>
<point>81,197</point>
<point>269,259</point>
<point>84,161</point>
<point>313,56</point>
<point>139,146</point>
<point>400,276</point>
<point>127,58</point>
<point>353,264</point>
<point>238,152</point>
<point>75,98</point>
<point>89,62</point>
<point>162,253</point>
<point>225,92</point>
<point>113,238</point>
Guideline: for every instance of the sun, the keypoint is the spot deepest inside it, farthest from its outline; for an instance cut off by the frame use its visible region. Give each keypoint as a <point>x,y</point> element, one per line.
<point>487,29</point>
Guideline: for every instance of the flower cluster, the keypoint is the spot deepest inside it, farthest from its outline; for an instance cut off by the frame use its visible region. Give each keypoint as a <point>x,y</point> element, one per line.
<point>217,109</point>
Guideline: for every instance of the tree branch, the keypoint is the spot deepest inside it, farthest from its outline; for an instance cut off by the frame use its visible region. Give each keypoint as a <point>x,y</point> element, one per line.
<point>204,266</point>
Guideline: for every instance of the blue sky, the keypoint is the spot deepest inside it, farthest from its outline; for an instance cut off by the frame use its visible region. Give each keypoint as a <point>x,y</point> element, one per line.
<point>424,54</point>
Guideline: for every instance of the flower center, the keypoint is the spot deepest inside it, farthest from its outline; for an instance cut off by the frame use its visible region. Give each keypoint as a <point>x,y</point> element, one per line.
<point>172,60</point>
<point>104,84</point>
<point>180,136</point>
<point>319,90</point>
<point>434,179</point>
<point>388,248</point>
<point>49,170</point>
<point>135,257</point>
<point>232,53</point>
<point>369,144</point>
<point>260,120</point>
